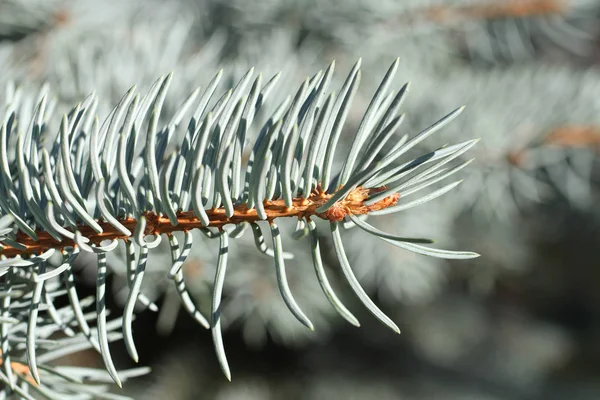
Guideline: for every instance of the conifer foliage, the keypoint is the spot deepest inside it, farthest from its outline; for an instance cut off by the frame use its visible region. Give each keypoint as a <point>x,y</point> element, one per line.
<point>138,176</point>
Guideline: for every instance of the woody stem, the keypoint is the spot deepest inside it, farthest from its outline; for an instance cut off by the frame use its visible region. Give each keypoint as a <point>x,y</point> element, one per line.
<point>186,220</point>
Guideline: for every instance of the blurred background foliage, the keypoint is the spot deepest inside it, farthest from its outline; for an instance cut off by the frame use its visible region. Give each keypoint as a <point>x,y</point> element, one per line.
<point>520,322</point>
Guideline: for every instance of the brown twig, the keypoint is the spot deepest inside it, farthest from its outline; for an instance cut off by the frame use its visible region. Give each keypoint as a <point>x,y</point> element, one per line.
<point>496,9</point>
<point>567,136</point>
<point>20,369</point>
<point>353,204</point>
<point>575,136</point>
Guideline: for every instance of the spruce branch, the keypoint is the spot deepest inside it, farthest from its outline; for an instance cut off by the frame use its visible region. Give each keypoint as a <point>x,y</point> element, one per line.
<point>301,208</point>
<point>139,176</point>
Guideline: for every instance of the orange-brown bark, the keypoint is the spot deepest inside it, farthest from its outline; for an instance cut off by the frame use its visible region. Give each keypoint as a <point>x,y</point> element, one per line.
<point>496,9</point>
<point>20,369</point>
<point>156,224</point>
<point>575,136</point>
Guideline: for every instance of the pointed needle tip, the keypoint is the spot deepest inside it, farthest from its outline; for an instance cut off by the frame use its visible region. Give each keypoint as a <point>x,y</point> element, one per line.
<point>227,374</point>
